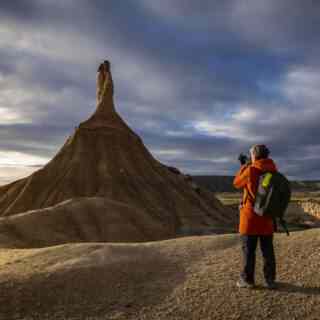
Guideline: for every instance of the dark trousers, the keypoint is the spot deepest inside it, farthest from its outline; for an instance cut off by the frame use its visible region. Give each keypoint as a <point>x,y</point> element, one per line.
<point>249,246</point>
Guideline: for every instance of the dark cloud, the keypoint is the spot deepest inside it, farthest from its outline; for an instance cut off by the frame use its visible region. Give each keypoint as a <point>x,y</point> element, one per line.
<point>33,139</point>
<point>18,9</point>
<point>199,81</point>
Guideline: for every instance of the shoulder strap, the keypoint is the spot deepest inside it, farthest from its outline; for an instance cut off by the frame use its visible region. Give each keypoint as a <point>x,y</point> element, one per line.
<point>284,226</point>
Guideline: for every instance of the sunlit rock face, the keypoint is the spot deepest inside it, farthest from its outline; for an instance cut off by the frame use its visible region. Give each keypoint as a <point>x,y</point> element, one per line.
<point>312,207</point>
<point>104,85</point>
<point>105,114</point>
<point>105,159</point>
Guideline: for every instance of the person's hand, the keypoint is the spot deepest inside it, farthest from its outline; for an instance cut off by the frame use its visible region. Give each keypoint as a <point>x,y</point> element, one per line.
<point>243,159</point>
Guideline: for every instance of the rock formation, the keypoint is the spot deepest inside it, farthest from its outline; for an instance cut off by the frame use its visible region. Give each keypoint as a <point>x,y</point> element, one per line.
<point>312,207</point>
<point>103,167</point>
<point>104,83</point>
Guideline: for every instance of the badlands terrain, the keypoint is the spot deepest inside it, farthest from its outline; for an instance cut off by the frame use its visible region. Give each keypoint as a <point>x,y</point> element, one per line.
<point>105,231</point>
<point>186,278</point>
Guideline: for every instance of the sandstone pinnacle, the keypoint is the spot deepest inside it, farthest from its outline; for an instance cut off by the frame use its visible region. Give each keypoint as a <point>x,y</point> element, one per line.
<point>105,184</point>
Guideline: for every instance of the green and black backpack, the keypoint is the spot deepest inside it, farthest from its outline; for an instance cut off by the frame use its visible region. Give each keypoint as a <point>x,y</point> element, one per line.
<point>273,197</point>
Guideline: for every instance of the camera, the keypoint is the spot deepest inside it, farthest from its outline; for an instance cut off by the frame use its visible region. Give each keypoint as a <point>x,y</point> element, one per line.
<point>244,159</point>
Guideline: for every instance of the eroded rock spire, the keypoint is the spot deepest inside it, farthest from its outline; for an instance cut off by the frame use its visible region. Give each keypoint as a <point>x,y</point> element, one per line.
<point>105,114</point>
<point>104,84</point>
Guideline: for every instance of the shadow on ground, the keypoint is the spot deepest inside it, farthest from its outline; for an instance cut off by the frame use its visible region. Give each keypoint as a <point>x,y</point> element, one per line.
<point>293,288</point>
<point>119,289</point>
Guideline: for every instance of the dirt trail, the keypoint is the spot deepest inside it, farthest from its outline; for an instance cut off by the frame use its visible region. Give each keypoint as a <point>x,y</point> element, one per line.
<point>187,278</point>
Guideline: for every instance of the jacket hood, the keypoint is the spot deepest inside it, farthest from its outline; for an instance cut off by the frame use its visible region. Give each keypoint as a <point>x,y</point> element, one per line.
<point>265,165</point>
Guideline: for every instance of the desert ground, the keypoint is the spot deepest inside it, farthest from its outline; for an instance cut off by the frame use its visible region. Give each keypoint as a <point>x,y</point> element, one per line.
<point>186,278</point>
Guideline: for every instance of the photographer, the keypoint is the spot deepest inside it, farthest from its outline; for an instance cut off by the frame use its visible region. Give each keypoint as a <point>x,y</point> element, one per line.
<point>252,226</point>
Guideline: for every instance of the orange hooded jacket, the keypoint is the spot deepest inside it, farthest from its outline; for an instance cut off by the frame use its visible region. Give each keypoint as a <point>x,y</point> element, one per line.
<point>247,178</point>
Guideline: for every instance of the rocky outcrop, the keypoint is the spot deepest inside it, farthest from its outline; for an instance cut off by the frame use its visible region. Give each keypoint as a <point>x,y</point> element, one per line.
<point>104,158</point>
<point>312,207</point>
<point>300,214</point>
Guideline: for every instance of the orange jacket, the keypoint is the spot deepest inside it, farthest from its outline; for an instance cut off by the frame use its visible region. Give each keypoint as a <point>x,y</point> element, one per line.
<point>247,178</point>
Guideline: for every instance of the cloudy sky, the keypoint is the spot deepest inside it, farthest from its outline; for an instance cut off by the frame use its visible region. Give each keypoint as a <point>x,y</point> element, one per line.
<point>199,81</point>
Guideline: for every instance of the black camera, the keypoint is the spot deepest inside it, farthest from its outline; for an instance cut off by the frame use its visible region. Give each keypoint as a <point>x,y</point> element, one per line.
<point>244,159</point>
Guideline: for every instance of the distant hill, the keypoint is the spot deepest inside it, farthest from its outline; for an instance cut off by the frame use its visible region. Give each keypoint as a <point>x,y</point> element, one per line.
<point>224,184</point>
<point>215,183</point>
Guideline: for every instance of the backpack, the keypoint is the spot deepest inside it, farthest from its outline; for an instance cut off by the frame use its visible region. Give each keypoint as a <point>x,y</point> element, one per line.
<point>273,197</point>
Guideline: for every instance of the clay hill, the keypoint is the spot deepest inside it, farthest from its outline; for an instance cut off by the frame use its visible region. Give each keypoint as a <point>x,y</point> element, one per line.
<point>187,278</point>
<point>104,185</point>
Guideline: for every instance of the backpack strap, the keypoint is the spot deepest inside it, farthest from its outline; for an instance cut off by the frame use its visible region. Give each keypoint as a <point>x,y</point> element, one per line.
<point>284,225</point>
<point>275,224</point>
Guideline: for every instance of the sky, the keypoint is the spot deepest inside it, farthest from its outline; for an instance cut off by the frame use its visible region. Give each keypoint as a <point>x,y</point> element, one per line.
<point>199,81</point>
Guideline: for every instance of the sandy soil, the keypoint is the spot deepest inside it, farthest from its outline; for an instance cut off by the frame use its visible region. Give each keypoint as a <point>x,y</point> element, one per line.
<point>186,278</point>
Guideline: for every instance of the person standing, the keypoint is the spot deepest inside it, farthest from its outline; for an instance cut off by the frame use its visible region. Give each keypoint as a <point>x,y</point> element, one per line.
<point>254,228</point>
